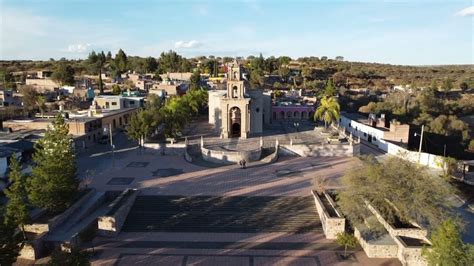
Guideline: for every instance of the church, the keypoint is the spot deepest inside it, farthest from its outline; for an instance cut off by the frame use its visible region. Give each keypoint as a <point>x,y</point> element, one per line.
<point>239,112</point>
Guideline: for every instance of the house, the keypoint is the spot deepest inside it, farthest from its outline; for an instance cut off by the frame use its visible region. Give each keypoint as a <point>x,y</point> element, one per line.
<point>177,76</point>
<point>8,98</point>
<point>86,127</point>
<point>117,102</point>
<point>168,88</point>
<point>375,129</point>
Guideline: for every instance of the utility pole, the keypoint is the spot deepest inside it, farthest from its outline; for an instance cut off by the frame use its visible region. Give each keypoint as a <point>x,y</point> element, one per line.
<point>112,145</point>
<point>421,142</point>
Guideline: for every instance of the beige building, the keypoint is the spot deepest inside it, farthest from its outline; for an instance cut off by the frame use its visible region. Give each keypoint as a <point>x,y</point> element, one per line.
<point>238,112</point>
<point>87,127</point>
<point>117,102</point>
<point>42,85</point>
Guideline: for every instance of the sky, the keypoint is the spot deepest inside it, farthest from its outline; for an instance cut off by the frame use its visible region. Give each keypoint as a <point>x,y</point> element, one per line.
<point>408,32</point>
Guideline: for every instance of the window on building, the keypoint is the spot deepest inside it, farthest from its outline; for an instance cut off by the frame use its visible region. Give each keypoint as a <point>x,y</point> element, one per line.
<point>365,134</point>
<point>374,139</point>
<point>132,102</point>
<point>114,103</point>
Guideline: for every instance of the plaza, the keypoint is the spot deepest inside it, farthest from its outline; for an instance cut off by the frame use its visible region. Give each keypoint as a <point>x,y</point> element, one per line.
<point>195,214</point>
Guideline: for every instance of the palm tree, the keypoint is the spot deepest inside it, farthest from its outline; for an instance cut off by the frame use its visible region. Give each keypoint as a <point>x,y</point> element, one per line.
<point>328,110</point>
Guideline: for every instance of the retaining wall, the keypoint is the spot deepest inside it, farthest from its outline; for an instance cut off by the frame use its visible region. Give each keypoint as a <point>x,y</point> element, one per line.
<point>231,156</point>
<point>53,223</point>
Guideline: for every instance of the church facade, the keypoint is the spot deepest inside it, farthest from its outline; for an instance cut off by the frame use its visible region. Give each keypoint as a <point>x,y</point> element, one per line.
<point>239,112</point>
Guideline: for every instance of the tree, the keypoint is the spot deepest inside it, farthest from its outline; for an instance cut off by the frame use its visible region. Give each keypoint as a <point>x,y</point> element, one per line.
<point>30,97</point>
<point>399,189</point>
<point>256,78</point>
<point>447,85</point>
<point>121,61</point>
<point>10,243</point>
<point>150,64</point>
<point>471,145</point>
<point>195,99</point>
<point>64,74</point>
<point>174,115</point>
<point>283,71</point>
<point>328,110</point>
<point>330,90</point>
<point>116,90</point>
<point>96,63</point>
<point>53,184</point>
<point>447,246</point>
<point>195,80</point>
<point>306,73</point>
<point>346,240</point>
<point>278,93</point>
<point>41,103</point>
<point>17,213</point>
<point>141,125</point>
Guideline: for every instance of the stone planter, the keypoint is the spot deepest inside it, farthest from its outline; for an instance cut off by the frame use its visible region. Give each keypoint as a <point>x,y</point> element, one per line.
<point>111,223</point>
<point>53,223</point>
<point>332,221</point>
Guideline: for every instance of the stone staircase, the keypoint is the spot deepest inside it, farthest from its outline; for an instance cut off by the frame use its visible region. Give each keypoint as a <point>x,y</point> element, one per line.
<point>223,214</point>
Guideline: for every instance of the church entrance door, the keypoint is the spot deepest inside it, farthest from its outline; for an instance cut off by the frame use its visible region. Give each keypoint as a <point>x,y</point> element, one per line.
<point>235,130</point>
<point>235,122</point>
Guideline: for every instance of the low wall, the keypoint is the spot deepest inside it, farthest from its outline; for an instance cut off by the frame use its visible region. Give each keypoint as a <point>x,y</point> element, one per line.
<point>410,255</point>
<point>376,250</point>
<point>33,249</point>
<point>231,156</point>
<point>110,225</point>
<point>272,157</point>
<point>177,149</point>
<point>331,225</point>
<point>324,149</point>
<point>39,228</point>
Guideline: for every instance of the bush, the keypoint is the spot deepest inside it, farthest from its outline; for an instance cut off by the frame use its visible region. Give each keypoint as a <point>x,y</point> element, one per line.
<point>471,145</point>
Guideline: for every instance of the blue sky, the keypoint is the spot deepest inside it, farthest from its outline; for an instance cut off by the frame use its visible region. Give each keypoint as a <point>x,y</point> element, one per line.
<point>397,32</point>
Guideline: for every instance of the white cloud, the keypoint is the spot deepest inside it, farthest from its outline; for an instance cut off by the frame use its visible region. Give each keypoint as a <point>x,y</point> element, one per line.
<point>78,48</point>
<point>187,45</point>
<point>468,11</point>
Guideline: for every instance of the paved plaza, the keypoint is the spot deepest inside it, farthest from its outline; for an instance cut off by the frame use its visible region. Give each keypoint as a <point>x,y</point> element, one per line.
<point>211,220</point>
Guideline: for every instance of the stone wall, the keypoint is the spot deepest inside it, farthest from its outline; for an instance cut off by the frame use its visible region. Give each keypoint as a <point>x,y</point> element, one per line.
<point>110,225</point>
<point>376,250</point>
<point>331,225</point>
<point>33,249</point>
<point>230,156</point>
<point>410,255</point>
<point>177,149</point>
<point>272,157</point>
<point>39,228</point>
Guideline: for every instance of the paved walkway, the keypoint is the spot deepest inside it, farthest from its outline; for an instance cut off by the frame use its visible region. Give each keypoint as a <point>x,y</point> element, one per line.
<point>290,177</point>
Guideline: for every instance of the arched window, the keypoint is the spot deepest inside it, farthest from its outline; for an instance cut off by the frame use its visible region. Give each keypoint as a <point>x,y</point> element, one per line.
<point>234,92</point>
